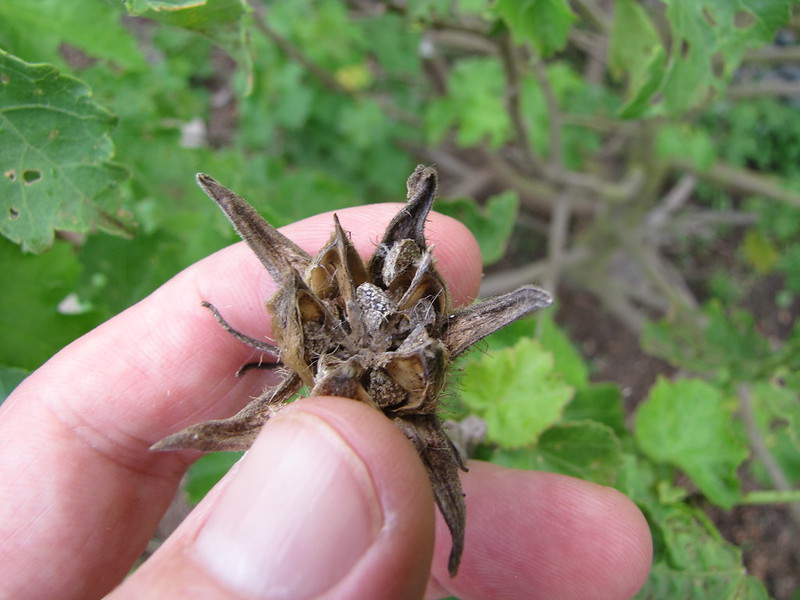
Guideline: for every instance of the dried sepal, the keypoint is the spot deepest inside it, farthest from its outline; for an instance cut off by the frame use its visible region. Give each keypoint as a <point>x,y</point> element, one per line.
<point>382,333</point>
<point>273,249</point>
<point>442,462</point>
<point>473,323</point>
<point>236,433</point>
<point>409,224</point>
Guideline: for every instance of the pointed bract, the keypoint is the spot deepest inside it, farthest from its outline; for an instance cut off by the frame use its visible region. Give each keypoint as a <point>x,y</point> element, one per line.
<point>442,462</point>
<point>272,248</point>
<point>236,433</point>
<point>475,322</point>
<point>409,224</point>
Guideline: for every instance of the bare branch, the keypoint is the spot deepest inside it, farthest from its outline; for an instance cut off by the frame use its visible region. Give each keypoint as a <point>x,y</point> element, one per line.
<point>294,53</point>
<point>762,453</point>
<point>510,62</point>
<point>757,89</point>
<point>741,181</point>
<point>554,119</point>
<point>672,201</point>
<point>772,54</point>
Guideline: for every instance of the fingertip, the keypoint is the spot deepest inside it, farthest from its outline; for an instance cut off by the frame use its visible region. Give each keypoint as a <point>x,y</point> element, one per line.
<point>618,541</point>
<point>544,535</point>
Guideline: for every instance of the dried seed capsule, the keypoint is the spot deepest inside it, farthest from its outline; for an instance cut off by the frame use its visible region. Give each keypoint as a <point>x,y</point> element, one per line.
<point>382,333</point>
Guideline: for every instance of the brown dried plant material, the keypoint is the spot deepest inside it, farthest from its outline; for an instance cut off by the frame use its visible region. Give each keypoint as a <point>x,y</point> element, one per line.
<point>382,332</point>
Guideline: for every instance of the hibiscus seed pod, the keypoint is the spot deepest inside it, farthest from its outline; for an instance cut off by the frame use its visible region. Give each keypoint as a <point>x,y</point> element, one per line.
<point>383,333</point>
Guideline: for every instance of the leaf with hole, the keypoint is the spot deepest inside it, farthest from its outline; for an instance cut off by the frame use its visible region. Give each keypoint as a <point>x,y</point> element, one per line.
<point>709,39</point>
<point>55,156</point>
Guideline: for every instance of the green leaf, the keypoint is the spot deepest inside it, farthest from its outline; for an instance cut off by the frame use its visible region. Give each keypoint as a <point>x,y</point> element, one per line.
<point>426,9</point>
<point>759,251</point>
<point>474,105</point>
<point>724,343</point>
<point>600,402</point>
<point>36,30</point>
<point>516,392</point>
<point>641,103</point>
<point>692,561</point>
<point>10,378</point>
<point>139,7</point>
<point>207,471</point>
<point>543,23</point>
<point>705,46</point>
<point>363,123</point>
<point>54,156</point>
<point>636,53</point>
<point>639,477</point>
<point>491,224</point>
<point>683,141</point>
<point>688,425</point>
<point>118,272</point>
<point>777,413</point>
<point>709,39</point>
<point>776,403</point>
<point>219,20</point>
<point>586,450</point>
<point>32,328</point>
<point>567,361</point>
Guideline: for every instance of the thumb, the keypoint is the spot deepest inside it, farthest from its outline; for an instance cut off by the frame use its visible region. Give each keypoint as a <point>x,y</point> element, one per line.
<point>330,502</point>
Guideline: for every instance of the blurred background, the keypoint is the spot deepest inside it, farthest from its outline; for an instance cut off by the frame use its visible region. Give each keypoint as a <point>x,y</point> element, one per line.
<point>639,159</point>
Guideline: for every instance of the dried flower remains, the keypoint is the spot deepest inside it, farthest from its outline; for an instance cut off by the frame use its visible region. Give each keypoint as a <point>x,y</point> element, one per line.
<point>382,333</point>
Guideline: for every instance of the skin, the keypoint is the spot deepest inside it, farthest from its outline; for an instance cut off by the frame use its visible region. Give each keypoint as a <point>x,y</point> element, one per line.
<point>81,494</point>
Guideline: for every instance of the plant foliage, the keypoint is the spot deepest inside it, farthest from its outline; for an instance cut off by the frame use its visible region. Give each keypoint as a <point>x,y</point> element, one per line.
<point>644,153</point>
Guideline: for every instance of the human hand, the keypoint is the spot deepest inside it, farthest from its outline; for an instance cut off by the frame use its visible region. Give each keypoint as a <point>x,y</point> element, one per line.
<point>330,502</point>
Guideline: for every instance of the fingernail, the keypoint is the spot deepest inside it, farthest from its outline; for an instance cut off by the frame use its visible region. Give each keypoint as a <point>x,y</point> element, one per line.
<point>297,517</point>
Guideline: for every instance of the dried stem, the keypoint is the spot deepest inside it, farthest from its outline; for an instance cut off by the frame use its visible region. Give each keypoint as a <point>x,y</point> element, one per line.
<point>757,89</point>
<point>667,281</point>
<point>741,180</point>
<point>509,279</point>
<point>759,447</point>
<point>554,119</point>
<point>508,56</point>
<point>772,54</point>
<point>672,201</point>
<point>597,15</point>
<point>294,53</point>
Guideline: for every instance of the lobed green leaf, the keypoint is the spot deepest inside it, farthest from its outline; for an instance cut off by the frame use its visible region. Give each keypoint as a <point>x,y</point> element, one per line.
<point>55,156</point>
<point>584,449</point>
<point>545,24</point>
<point>687,424</point>
<point>516,392</point>
<point>692,561</point>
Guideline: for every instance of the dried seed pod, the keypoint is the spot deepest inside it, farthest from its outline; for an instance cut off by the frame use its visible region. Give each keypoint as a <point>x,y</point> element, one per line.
<point>382,333</point>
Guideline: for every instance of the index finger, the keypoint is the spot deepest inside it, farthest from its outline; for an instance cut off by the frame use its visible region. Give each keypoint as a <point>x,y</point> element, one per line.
<point>81,488</point>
